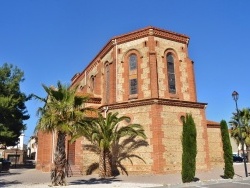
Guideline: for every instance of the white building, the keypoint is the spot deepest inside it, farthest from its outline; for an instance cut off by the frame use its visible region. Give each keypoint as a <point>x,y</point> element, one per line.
<point>32,148</point>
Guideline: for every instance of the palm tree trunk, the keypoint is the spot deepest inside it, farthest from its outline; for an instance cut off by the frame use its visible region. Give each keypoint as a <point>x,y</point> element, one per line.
<point>58,172</point>
<point>102,169</point>
<point>105,169</point>
<point>108,163</point>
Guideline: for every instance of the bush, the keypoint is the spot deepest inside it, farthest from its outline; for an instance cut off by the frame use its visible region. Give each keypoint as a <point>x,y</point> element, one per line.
<point>189,147</point>
<point>227,148</point>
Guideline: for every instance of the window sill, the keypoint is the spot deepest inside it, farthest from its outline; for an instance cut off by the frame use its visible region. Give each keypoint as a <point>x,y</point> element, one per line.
<point>134,96</point>
<point>174,96</point>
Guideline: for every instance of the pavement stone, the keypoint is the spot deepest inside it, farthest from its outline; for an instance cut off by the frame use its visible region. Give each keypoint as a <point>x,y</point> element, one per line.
<point>22,178</point>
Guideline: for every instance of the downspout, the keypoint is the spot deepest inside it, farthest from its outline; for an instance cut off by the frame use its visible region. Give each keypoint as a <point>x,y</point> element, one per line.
<point>106,108</point>
<point>116,72</point>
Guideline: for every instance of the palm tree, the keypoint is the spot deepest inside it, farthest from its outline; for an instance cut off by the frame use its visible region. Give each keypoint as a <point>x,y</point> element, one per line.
<point>62,109</point>
<point>104,133</point>
<point>121,150</point>
<point>244,119</point>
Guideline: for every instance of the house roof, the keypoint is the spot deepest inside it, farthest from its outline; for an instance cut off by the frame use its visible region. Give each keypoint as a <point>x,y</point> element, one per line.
<point>213,124</point>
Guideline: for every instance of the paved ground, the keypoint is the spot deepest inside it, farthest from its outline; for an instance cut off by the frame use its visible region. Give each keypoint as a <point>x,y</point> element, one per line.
<point>33,178</point>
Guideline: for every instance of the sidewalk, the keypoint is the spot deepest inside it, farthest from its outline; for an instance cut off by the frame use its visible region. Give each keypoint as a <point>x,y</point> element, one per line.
<point>36,179</point>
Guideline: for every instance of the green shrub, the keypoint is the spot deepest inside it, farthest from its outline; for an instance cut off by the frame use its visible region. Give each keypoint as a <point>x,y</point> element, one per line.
<point>227,148</point>
<point>189,147</point>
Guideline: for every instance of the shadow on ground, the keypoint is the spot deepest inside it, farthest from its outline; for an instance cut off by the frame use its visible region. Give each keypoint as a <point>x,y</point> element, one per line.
<point>8,183</point>
<point>29,166</point>
<point>196,179</point>
<point>7,173</point>
<point>95,181</point>
<point>224,177</point>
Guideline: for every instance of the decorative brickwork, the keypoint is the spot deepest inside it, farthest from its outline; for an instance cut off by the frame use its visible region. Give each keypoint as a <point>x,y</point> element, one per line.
<point>152,105</point>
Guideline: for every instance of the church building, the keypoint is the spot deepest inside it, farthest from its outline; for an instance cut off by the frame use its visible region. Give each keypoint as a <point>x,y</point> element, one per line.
<point>147,75</point>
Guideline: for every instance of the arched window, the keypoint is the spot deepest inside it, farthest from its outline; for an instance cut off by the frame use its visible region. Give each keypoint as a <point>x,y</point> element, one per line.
<point>133,82</point>
<point>171,73</point>
<point>92,83</point>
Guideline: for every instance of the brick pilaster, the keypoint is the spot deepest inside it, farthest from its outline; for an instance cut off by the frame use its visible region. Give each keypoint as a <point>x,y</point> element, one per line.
<point>157,134</point>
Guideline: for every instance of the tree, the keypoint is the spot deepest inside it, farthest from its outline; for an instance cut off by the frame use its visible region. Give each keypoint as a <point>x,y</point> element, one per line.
<point>227,148</point>
<point>13,111</point>
<point>63,108</point>
<point>123,149</point>
<point>105,133</point>
<point>243,128</point>
<point>189,147</point>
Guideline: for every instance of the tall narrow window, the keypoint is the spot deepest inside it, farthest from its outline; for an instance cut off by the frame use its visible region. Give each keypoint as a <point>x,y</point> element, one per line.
<point>171,74</point>
<point>92,83</point>
<point>133,85</point>
<point>132,62</point>
<point>107,83</point>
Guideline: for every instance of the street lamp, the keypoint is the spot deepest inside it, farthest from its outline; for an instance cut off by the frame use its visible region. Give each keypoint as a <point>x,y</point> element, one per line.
<point>235,96</point>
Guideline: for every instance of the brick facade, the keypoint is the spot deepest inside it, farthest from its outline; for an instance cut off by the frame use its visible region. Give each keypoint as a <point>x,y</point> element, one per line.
<point>153,106</point>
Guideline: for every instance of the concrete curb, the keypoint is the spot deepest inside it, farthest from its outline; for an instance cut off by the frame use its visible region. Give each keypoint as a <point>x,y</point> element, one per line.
<point>205,182</point>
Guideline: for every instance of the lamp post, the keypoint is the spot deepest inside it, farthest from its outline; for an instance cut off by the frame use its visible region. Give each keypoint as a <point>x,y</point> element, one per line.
<point>235,96</point>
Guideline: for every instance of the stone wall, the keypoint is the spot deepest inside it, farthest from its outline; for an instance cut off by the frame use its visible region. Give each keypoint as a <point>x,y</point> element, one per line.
<point>163,127</point>
<point>215,146</point>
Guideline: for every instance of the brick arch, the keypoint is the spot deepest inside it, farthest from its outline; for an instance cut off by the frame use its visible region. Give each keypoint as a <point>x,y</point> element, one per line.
<point>178,94</point>
<point>180,116</point>
<point>130,51</point>
<point>126,95</point>
<point>131,116</point>
<point>107,63</point>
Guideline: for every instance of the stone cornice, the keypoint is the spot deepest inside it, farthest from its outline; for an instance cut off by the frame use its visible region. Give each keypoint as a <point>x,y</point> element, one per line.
<point>91,98</point>
<point>95,100</point>
<point>144,102</point>
<point>151,31</point>
<point>213,124</point>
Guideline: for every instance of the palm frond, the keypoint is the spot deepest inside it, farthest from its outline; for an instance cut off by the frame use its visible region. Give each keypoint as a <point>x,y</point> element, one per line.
<point>107,132</point>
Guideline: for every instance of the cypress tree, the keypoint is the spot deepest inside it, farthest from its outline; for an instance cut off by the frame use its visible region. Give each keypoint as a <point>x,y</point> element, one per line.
<point>189,147</point>
<point>227,148</point>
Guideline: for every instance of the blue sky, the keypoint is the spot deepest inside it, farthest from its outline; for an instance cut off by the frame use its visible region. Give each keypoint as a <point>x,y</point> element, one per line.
<point>51,40</point>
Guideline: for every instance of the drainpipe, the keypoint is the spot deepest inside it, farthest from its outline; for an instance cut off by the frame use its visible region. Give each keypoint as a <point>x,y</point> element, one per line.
<point>115,43</point>
<point>105,108</point>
